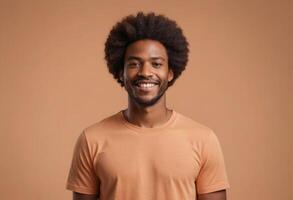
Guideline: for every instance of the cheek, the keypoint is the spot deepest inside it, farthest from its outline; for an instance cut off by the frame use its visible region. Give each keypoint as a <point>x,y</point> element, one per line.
<point>131,71</point>
<point>163,75</point>
<point>129,74</point>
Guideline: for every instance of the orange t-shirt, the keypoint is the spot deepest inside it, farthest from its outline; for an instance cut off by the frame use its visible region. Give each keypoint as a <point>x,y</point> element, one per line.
<point>121,161</point>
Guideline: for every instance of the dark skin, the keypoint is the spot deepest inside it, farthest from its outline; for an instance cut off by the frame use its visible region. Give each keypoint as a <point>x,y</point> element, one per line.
<point>79,196</point>
<point>147,61</point>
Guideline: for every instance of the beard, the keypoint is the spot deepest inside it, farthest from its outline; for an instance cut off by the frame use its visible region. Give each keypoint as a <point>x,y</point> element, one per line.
<point>147,103</point>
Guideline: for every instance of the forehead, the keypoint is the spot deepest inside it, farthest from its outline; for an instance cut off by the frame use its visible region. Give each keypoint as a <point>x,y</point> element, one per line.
<point>146,49</point>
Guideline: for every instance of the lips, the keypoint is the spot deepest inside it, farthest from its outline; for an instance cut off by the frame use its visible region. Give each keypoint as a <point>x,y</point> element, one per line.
<point>145,86</point>
<point>145,82</point>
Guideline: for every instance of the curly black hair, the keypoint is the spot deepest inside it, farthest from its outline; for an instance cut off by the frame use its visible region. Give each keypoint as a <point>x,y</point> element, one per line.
<point>146,26</point>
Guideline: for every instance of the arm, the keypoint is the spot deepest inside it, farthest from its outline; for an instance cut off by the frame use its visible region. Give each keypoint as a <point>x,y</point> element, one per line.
<point>82,179</point>
<point>218,195</point>
<point>212,181</point>
<point>79,196</point>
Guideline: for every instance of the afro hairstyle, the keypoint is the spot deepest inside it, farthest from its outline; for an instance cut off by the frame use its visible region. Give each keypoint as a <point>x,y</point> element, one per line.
<point>146,26</point>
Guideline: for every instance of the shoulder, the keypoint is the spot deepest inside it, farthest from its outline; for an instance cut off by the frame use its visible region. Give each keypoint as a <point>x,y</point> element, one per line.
<point>194,127</point>
<point>103,127</point>
<point>95,135</point>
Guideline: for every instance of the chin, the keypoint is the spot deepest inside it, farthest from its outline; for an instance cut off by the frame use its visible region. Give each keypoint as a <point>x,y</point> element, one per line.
<point>147,102</point>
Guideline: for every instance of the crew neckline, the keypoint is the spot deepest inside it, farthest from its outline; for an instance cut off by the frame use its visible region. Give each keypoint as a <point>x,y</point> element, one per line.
<point>139,129</point>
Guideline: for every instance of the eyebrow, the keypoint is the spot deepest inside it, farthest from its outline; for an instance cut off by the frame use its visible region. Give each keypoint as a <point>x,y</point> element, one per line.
<point>139,58</point>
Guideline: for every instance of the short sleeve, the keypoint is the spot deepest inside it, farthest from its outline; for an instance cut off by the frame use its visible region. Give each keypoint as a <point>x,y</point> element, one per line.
<point>82,177</point>
<point>212,175</point>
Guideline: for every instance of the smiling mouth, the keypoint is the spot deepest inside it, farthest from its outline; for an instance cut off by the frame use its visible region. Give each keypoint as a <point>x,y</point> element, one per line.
<point>145,86</point>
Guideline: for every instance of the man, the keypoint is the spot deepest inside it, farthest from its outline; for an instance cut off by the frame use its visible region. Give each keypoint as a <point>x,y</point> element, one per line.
<point>147,151</point>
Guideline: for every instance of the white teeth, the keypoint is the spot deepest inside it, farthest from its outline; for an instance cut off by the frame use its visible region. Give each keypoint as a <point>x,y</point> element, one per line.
<point>146,85</point>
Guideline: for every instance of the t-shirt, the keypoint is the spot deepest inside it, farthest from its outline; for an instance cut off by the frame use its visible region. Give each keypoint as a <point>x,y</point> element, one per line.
<point>121,161</point>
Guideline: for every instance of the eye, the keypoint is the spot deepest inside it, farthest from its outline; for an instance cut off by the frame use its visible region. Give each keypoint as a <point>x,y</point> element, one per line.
<point>133,64</point>
<point>157,64</point>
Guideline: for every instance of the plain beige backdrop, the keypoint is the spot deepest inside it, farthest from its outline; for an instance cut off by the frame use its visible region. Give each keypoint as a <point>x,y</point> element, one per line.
<point>54,82</point>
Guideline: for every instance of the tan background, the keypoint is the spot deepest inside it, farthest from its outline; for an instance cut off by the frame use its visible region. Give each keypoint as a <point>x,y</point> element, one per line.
<point>54,83</point>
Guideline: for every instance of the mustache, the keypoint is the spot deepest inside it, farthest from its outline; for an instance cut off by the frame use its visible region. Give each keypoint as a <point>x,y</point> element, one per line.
<point>138,80</point>
<point>149,79</point>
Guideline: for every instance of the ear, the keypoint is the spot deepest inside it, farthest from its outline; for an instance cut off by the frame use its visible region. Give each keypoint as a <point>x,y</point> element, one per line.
<point>170,75</point>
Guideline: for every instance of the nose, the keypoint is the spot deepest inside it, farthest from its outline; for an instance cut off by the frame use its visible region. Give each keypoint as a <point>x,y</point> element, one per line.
<point>145,69</point>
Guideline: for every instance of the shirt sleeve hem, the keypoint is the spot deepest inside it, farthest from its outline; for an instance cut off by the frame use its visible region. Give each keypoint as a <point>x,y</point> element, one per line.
<point>80,189</point>
<point>213,188</point>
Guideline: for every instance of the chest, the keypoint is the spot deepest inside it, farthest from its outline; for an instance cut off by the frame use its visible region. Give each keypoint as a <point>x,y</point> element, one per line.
<point>165,158</point>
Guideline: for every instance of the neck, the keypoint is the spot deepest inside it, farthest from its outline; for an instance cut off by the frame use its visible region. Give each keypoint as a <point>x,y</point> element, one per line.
<point>150,116</point>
